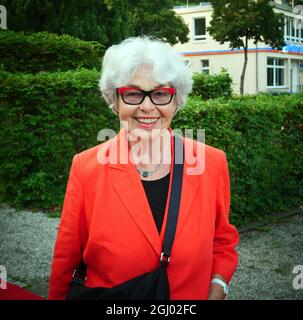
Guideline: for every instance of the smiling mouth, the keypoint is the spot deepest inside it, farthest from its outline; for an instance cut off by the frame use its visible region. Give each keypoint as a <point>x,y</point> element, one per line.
<point>147,120</point>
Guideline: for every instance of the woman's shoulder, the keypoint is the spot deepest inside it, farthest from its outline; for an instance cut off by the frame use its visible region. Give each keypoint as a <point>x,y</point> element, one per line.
<point>94,156</point>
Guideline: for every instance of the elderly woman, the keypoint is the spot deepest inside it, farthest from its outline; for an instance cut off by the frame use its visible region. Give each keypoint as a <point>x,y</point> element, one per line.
<point>115,209</point>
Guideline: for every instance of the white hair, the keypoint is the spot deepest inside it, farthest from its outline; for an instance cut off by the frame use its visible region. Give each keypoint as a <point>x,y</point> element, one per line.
<point>121,62</point>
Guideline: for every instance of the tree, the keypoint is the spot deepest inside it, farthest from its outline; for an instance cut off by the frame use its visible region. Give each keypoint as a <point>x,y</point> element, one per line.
<point>106,21</point>
<point>156,18</point>
<point>237,21</point>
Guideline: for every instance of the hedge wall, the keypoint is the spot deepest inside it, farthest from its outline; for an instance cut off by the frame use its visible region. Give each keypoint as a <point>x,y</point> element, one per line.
<point>34,52</point>
<point>262,136</point>
<point>47,118</point>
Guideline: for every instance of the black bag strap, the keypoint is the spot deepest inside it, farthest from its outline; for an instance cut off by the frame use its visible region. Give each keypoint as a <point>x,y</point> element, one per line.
<point>173,210</point>
<point>174,201</point>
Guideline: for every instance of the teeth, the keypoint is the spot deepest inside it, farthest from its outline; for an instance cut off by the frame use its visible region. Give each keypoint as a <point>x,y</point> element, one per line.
<point>147,120</point>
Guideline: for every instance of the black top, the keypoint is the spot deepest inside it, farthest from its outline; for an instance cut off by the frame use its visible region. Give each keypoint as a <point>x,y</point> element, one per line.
<point>156,192</point>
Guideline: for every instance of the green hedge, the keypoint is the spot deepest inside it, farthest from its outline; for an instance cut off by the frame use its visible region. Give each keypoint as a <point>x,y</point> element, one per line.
<point>47,118</point>
<point>210,86</point>
<point>35,52</point>
<point>262,136</point>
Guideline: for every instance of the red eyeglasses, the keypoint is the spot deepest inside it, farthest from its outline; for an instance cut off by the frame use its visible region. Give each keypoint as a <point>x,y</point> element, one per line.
<point>134,96</point>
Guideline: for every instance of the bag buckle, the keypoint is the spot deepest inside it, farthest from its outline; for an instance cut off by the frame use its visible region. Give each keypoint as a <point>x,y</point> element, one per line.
<point>78,276</point>
<point>164,259</point>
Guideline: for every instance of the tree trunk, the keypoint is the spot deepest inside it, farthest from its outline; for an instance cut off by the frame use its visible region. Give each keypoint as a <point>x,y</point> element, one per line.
<point>244,67</point>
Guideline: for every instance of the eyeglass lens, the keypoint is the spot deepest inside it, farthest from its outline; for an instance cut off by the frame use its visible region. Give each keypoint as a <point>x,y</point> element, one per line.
<point>135,96</point>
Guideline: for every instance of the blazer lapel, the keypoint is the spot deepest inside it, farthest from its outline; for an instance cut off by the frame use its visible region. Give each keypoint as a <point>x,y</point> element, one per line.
<point>189,189</point>
<point>194,164</point>
<point>131,192</point>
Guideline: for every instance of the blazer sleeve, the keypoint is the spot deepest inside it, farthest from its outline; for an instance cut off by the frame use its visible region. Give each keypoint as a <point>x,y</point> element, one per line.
<point>225,257</point>
<point>71,237</point>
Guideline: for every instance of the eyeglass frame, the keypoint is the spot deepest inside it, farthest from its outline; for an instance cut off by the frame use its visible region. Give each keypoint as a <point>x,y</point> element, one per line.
<point>171,90</point>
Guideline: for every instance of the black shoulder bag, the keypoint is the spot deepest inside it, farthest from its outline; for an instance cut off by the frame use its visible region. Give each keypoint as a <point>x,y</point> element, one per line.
<point>151,285</point>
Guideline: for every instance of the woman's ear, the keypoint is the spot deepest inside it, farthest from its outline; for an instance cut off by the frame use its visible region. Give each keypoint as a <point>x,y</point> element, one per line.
<point>116,107</point>
<point>175,109</point>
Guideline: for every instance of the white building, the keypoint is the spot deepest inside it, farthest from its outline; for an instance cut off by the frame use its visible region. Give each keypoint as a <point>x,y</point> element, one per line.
<point>268,70</point>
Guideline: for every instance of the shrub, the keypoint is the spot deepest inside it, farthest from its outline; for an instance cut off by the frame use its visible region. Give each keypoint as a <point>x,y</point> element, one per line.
<point>32,53</point>
<point>45,119</point>
<point>262,137</point>
<point>208,86</point>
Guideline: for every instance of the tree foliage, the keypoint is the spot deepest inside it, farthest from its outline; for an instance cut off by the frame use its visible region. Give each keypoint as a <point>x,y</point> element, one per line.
<point>233,21</point>
<point>237,21</point>
<point>157,19</point>
<point>106,21</point>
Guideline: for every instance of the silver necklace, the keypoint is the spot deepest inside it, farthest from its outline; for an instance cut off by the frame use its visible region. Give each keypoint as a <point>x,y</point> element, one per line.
<point>148,173</point>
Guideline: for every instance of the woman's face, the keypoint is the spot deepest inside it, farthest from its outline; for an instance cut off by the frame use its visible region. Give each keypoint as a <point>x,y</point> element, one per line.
<point>146,116</point>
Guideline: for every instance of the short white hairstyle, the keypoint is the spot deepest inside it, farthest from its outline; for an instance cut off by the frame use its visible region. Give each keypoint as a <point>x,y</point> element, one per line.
<point>121,62</point>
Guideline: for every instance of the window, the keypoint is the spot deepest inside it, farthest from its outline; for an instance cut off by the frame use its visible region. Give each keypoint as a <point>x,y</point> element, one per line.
<point>199,29</point>
<point>293,30</point>
<point>205,66</point>
<point>275,72</point>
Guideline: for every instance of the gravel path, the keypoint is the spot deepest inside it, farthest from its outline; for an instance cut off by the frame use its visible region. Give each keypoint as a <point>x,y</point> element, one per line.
<point>266,256</point>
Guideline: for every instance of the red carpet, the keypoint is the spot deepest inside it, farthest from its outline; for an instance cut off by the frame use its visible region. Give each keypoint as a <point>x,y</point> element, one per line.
<point>13,292</point>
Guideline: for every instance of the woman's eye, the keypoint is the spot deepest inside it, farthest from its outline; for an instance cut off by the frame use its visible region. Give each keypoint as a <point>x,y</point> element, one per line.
<point>133,94</point>
<point>160,93</point>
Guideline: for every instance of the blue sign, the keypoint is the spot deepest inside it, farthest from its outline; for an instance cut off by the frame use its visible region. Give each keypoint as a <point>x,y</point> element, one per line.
<point>291,48</point>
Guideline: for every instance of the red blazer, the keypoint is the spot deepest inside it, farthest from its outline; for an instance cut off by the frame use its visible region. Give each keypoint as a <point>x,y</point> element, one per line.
<point>107,222</point>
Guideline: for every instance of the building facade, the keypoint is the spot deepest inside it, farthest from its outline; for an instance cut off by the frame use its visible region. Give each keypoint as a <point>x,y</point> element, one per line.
<point>268,70</point>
